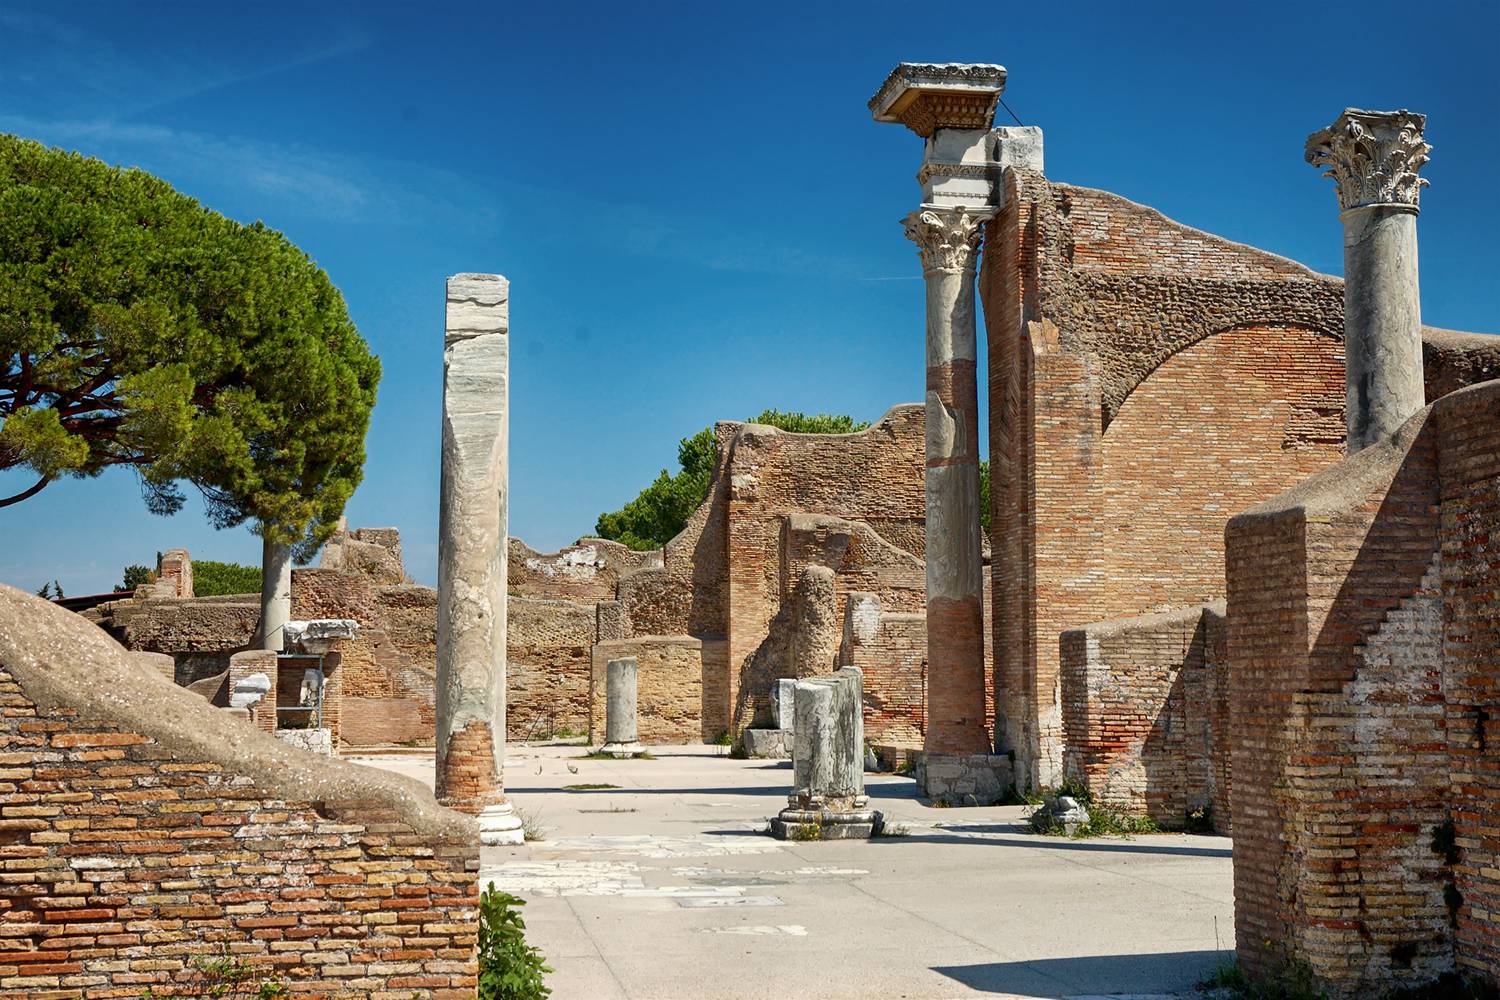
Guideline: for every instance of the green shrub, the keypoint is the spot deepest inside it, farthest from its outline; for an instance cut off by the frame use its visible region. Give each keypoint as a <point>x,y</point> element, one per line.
<point>227,976</point>
<point>215,579</point>
<point>509,968</point>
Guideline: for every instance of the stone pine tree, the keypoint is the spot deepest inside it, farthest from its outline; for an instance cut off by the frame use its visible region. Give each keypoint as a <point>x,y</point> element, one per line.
<point>140,329</point>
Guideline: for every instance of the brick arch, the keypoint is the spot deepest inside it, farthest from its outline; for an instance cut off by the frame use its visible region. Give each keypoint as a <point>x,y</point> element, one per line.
<point>1221,425</point>
<point>1126,379</point>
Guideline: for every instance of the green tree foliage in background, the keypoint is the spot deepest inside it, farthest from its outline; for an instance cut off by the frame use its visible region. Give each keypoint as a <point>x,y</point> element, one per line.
<point>140,329</point>
<point>135,575</point>
<point>214,579</point>
<point>662,509</point>
<point>51,591</point>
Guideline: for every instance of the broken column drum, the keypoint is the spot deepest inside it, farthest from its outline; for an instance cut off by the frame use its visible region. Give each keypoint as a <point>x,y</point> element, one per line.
<point>472,556</point>
<point>828,799</point>
<point>620,686</point>
<point>1373,158</point>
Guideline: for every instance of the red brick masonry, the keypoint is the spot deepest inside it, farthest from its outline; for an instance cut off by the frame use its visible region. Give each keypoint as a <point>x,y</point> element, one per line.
<point>130,852</point>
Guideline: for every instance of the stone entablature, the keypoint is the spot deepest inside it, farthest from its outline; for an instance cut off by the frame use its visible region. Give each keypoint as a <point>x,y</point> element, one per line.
<point>926,97</point>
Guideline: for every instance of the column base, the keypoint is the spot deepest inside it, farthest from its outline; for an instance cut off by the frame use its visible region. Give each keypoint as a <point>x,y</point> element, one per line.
<point>622,751</point>
<point>813,818</point>
<point>979,779</point>
<point>499,824</point>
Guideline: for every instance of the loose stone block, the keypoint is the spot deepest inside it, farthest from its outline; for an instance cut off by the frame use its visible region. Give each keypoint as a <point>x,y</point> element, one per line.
<point>828,779</point>
<point>963,780</point>
<point>620,707</point>
<point>783,704</point>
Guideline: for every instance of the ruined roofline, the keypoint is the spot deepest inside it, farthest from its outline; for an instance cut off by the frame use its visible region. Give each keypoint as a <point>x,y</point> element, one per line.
<point>803,521</point>
<point>66,664</point>
<point>577,543</point>
<point>1223,241</point>
<point>740,428</point>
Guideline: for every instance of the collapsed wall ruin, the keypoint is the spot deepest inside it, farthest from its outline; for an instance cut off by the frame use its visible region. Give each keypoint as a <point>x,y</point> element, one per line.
<point>143,835</point>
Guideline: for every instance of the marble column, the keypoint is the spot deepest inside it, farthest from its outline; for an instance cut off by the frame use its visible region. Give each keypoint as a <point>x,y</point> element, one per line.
<point>952,107</point>
<point>275,593</point>
<point>1373,158</point>
<point>472,555</point>
<point>620,733</point>
<point>948,242</point>
<point>828,800</point>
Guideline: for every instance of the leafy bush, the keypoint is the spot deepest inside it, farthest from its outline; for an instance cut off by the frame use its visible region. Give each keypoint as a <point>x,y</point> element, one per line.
<point>135,575</point>
<point>509,968</point>
<point>215,579</point>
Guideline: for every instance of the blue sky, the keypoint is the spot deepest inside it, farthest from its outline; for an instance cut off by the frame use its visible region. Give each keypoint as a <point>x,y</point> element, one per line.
<point>698,218</point>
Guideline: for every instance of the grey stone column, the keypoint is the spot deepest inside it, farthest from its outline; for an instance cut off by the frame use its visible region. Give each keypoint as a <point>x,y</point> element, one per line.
<point>275,593</point>
<point>828,800</point>
<point>472,555</point>
<point>620,734</point>
<point>1373,157</point>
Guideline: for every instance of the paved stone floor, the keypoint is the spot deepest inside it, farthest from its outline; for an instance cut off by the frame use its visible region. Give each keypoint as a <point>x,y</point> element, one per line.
<point>665,888</point>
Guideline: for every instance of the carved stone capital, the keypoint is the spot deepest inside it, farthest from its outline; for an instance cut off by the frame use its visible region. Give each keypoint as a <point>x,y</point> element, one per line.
<point>947,240</point>
<point>1373,157</point>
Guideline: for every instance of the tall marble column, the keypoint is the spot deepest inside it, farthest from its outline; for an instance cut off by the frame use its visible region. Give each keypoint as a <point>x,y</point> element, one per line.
<point>472,555</point>
<point>1373,158</point>
<point>275,593</point>
<point>948,242</point>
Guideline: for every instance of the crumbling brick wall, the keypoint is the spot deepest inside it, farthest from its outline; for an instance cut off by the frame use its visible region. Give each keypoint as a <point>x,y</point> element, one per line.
<point>1147,380</point>
<point>1139,713</point>
<point>890,648</point>
<point>669,688</point>
<point>587,570</point>
<point>548,666</point>
<point>1362,682</point>
<point>144,831</point>
<point>874,476</point>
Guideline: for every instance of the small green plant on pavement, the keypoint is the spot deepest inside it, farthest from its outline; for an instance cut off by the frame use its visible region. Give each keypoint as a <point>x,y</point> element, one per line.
<point>509,968</point>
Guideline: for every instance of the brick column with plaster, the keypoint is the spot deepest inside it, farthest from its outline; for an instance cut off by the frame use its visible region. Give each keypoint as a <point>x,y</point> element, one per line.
<point>951,106</point>
<point>472,555</point>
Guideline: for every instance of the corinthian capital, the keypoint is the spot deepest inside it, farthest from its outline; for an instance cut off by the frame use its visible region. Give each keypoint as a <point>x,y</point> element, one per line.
<point>946,239</point>
<point>1373,157</point>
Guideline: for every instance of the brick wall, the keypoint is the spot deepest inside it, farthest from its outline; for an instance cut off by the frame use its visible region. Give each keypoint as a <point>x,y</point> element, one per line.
<point>1362,678</point>
<point>1139,710</point>
<point>874,476</point>
<point>669,688</point>
<point>143,830</point>
<point>548,666</point>
<point>1147,381</point>
<point>1469,462</point>
<point>588,569</point>
<point>890,648</point>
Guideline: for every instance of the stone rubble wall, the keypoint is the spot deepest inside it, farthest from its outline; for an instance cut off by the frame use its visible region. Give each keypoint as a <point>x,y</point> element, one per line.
<point>1362,684</point>
<point>587,570</point>
<point>143,832</point>
<point>1144,705</point>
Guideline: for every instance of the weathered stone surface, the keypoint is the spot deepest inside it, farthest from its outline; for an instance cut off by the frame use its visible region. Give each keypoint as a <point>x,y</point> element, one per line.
<point>828,776</point>
<point>1374,157</point>
<point>620,711</point>
<point>319,741</point>
<point>783,706</point>
<point>472,554</point>
<point>963,780</point>
<point>275,594</point>
<point>249,690</point>
<point>317,635</point>
<point>926,97</point>
<point>772,744</point>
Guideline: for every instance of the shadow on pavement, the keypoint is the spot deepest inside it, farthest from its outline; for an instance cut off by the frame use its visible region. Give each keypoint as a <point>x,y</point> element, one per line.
<point>1011,835</point>
<point>1054,978</point>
